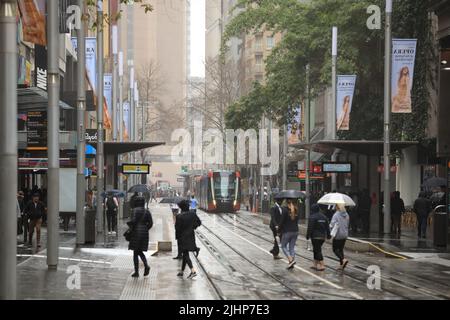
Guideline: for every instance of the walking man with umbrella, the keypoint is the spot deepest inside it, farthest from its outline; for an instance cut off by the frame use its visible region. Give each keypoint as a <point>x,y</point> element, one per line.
<point>276,212</point>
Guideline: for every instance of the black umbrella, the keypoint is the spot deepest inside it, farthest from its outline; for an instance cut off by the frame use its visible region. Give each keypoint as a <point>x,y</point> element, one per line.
<point>114,193</point>
<point>290,194</point>
<point>175,200</point>
<point>140,188</point>
<point>435,182</point>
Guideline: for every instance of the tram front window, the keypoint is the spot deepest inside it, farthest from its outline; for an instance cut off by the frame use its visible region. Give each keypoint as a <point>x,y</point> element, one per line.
<point>223,186</point>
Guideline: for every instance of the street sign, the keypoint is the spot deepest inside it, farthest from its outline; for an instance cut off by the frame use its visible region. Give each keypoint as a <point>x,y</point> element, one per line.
<point>337,167</point>
<point>135,168</point>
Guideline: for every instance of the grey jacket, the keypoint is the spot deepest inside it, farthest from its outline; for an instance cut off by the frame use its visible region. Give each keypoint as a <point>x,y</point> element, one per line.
<point>342,219</point>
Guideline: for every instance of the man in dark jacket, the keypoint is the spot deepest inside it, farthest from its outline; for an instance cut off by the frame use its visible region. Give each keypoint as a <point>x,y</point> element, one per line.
<point>187,221</point>
<point>142,222</point>
<point>276,213</point>
<point>422,208</point>
<point>318,230</point>
<point>35,210</point>
<point>397,209</point>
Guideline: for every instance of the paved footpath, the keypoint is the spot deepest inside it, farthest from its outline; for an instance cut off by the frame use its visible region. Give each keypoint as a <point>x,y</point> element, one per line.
<point>105,270</point>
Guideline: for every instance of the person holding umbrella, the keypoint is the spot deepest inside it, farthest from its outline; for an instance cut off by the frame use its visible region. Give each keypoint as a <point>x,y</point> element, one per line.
<point>318,231</point>
<point>141,223</point>
<point>339,225</point>
<point>276,212</point>
<point>186,223</point>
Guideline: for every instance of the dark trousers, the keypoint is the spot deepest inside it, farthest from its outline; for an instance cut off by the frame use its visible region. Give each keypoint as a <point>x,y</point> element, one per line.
<point>422,221</point>
<point>317,249</point>
<point>276,248</point>
<point>186,261</point>
<point>338,249</point>
<point>111,217</point>
<point>396,223</point>
<point>180,254</point>
<point>25,225</point>
<point>136,255</point>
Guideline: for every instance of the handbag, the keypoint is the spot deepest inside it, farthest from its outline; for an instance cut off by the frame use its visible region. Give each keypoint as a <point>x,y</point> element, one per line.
<point>127,234</point>
<point>334,231</point>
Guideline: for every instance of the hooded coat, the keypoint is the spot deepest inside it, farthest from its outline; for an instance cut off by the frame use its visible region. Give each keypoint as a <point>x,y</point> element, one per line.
<point>142,222</point>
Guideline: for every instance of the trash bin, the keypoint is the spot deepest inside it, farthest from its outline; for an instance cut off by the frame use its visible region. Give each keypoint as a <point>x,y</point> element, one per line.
<point>440,227</point>
<point>89,226</point>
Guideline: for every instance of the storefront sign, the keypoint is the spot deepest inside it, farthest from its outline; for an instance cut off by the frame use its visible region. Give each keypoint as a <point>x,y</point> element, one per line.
<point>37,130</point>
<point>91,135</point>
<point>40,71</point>
<point>135,169</point>
<point>336,167</point>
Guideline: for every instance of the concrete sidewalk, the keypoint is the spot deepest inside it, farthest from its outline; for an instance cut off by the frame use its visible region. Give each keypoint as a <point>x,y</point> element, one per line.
<point>103,271</point>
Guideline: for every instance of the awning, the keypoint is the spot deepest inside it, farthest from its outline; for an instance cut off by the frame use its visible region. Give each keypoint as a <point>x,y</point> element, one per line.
<point>366,147</point>
<point>35,99</point>
<point>116,148</point>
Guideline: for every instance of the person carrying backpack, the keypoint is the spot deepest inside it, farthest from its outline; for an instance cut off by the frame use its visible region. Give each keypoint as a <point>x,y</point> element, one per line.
<point>111,205</point>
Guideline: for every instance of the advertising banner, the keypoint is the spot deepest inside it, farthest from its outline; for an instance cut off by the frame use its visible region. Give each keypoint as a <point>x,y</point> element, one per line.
<point>32,13</point>
<point>91,59</point>
<point>107,93</point>
<point>345,92</point>
<point>126,118</point>
<point>403,60</point>
<point>294,128</point>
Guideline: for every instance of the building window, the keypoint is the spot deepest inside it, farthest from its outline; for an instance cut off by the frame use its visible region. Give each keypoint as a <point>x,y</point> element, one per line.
<point>258,60</point>
<point>270,42</point>
<point>258,43</point>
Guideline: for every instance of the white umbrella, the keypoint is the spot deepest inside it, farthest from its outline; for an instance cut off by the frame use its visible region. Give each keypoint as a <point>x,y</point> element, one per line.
<point>337,198</point>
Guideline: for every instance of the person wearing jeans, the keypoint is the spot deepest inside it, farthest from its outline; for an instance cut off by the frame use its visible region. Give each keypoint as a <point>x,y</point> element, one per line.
<point>340,221</point>
<point>289,231</point>
<point>318,231</point>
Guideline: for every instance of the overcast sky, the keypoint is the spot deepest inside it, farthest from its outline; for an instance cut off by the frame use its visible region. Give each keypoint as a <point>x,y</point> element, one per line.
<point>198,38</point>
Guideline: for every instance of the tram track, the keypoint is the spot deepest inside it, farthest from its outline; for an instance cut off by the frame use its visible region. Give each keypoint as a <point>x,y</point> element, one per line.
<point>205,238</point>
<point>392,280</point>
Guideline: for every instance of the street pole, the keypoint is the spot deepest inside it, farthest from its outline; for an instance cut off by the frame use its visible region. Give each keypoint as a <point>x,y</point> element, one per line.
<point>308,152</point>
<point>285,150</point>
<point>261,193</point>
<point>131,115</point>
<point>53,134</point>
<point>114,82</point>
<point>99,155</point>
<point>387,117</point>
<point>120,126</point>
<point>8,149</point>
<point>333,111</point>
<point>81,110</point>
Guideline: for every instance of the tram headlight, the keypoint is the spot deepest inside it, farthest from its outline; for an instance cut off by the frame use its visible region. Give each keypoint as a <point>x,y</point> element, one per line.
<point>214,203</point>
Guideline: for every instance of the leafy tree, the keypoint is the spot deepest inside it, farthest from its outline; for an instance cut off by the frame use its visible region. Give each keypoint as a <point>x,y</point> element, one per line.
<point>306,28</point>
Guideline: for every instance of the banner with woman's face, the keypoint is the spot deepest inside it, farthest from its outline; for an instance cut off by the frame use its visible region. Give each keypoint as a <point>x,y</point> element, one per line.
<point>403,60</point>
<point>344,96</point>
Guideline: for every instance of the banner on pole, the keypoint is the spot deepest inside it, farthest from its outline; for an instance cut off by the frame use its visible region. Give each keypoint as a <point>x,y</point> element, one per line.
<point>403,60</point>
<point>107,91</point>
<point>91,60</point>
<point>344,96</point>
<point>294,128</point>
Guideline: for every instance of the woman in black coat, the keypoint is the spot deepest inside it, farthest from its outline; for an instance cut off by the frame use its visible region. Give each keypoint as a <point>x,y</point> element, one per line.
<point>140,225</point>
<point>318,231</point>
<point>187,221</point>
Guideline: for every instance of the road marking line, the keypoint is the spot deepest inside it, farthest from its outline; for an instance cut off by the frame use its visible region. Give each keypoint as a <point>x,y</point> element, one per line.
<point>63,258</point>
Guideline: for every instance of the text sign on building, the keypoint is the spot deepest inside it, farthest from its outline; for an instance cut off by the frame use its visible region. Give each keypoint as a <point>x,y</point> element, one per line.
<point>91,135</point>
<point>135,169</point>
<point>336,167</point>
<point>37,130</point>
<point>40,71</point>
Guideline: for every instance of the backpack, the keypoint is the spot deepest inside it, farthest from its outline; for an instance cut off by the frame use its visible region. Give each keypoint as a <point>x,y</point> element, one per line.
<point>110,205</point>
